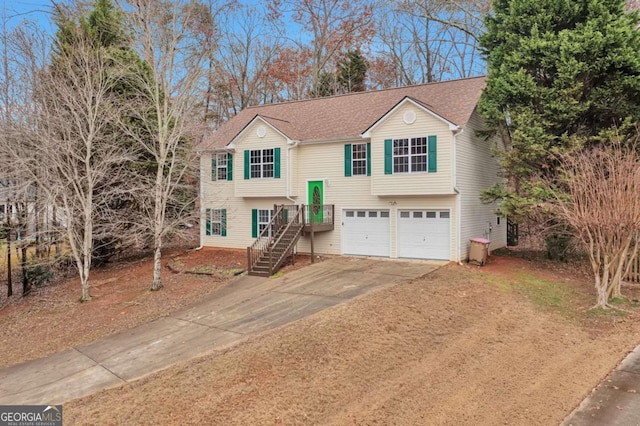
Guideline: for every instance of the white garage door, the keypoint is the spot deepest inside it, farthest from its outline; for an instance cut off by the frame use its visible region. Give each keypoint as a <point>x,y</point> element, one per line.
<point>365,232</point>
<point>424,234</point>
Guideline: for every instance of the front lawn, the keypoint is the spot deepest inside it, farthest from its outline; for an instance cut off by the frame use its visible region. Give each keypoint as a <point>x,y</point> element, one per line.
<point>511,343</point>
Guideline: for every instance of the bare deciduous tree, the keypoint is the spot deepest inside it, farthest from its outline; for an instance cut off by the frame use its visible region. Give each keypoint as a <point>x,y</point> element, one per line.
<point>23,52</point>
<point>430,40</point>
<point>73,153</point>
<point>247,49</point>
<point>170,45</point>
<point>334,26</point>
<point>599,200</point>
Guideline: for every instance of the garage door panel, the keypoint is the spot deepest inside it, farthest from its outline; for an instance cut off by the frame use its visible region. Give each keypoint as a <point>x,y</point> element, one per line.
<point>365,232</point>
<point>424,234</point>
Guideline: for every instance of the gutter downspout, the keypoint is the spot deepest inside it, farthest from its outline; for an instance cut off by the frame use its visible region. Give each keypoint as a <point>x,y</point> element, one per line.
<point>202,209</point>
<point>457,191</point>
<point>292,144</point>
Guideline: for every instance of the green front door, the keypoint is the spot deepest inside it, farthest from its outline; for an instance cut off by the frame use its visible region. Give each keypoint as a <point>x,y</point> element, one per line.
<point>316,200</point>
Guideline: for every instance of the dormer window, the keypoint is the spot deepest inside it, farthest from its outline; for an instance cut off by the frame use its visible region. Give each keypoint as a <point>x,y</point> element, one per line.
<point>410,155</point>
<point>262,163</point>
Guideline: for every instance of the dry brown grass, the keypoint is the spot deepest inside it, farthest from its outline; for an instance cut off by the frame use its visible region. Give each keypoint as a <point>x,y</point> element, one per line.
<point>463,345</point>
<point>52,319</point>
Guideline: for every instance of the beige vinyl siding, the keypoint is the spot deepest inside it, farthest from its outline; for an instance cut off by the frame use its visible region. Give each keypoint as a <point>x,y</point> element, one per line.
<point>394,127</point>
<point>326,162</point>
<point>259,187</point>
<point>477,169</point>
<point>220,195</point>
<point>294,184</point>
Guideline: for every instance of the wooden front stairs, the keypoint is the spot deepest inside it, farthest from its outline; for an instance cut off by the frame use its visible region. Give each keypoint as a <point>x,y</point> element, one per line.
<point>277,241</point>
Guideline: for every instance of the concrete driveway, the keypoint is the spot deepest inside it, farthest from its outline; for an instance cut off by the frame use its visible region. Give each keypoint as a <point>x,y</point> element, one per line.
<point>246,307</point>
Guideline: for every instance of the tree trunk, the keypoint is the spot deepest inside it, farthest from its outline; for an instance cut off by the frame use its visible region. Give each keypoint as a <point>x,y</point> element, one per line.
<point>85,268</point>
<point>602,296</point>
<point>26,287</point>
<point>158,225</point>
<point>9,281</point>
<point>36,218</point>
<point>157,257</point>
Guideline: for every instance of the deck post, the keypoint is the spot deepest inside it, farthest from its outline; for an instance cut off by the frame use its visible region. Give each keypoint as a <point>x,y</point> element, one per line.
<point>248,258</point>
<point>333,214</point>
<point>313,254</point>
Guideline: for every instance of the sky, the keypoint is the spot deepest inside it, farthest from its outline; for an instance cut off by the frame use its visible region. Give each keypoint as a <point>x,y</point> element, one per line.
<point>17,11</point>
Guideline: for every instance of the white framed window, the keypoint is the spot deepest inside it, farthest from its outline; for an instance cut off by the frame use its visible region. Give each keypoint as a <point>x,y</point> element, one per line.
<point>264,218</point>
<point>359,159</point>
<point>410,155</point>
<point>215,222</point>
<point>219,167</point>
<point>261,163</point>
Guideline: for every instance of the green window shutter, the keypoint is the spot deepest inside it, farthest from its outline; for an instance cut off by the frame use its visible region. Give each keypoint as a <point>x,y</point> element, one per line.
<point>433,154</point>
<point>286,215</point>
<point>368,158</point>
<point>213,167</point>
<point>247,168</point>
<point>223,222</point>
<point>229,166</point>
<point>208,221</point>
<point>254,223</point>
<point>276,161</point>
<point>388,156</point>
<point>347,160</point>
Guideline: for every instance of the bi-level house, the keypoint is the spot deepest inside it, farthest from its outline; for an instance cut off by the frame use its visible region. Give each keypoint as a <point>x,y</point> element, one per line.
<point>393,173</point>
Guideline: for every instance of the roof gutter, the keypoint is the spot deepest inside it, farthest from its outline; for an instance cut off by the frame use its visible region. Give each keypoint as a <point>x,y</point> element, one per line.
<point>332,140</point>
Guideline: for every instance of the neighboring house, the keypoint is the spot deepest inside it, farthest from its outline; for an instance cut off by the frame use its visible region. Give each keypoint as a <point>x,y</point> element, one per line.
<point>395,173</point>
<point>17,200</point>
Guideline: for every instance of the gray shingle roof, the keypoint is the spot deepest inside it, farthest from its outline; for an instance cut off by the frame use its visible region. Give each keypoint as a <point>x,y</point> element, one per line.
<point>348,116</point>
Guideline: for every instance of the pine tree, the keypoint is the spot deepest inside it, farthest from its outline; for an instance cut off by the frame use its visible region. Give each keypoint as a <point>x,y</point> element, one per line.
<point>352,72</point>
<point>103,27</point>
<point>562,73</point>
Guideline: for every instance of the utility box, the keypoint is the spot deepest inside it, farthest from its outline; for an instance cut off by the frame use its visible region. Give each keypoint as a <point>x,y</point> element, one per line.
<point>478,250</point>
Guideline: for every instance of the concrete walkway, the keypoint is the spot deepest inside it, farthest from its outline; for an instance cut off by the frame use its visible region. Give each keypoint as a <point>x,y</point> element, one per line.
<point>248,306</point>
<point>616,401</point>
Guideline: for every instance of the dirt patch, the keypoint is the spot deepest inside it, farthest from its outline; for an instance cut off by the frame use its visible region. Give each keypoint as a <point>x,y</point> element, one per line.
<point>464,345</point>
<point>51,319</point>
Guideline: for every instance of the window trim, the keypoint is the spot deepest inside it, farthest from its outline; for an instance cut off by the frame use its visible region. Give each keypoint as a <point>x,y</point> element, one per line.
<point>270,213</point>
<point>210,215</point>
<point>215,172</point>
<point>262,163</point>
<point>411,141</point>
<point>363,169</point>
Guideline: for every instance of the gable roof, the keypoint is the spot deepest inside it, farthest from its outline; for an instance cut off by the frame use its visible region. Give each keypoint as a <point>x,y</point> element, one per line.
<point>348,116</point>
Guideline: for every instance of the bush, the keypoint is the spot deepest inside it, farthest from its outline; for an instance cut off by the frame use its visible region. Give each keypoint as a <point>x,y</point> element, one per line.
<point>38,275</point>
<point>558,246</point>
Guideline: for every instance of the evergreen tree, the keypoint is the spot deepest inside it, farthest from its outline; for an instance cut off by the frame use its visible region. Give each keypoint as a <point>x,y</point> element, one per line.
<point>103,27</point>
<point>350,76</point>
<point>352,72</point>
<point>562,74</point>
<point>327,85</point>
